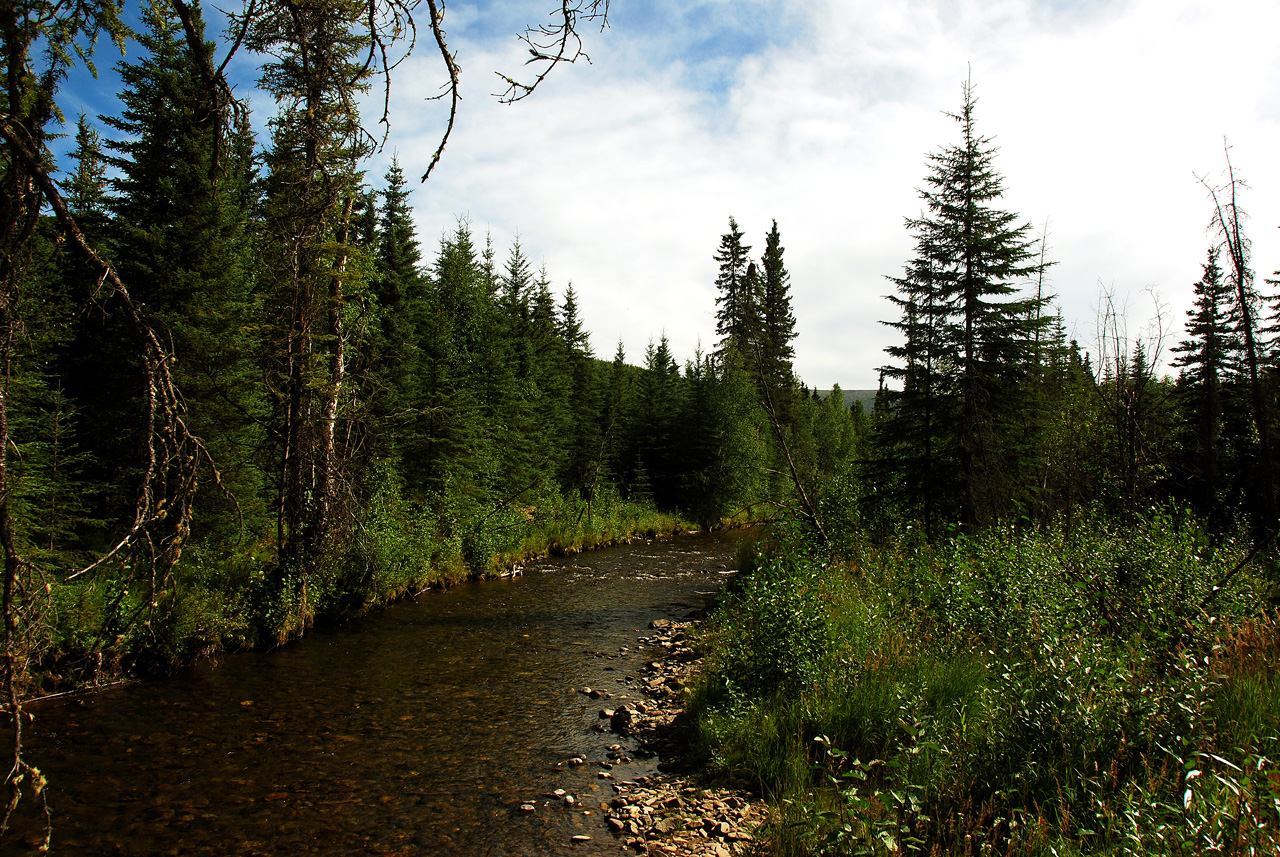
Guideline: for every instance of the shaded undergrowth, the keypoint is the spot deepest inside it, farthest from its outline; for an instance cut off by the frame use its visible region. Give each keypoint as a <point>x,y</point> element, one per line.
<point>1111,690</point>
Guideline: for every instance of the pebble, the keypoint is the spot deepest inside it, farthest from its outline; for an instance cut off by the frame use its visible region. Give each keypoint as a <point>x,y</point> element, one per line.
<point>527,807</point>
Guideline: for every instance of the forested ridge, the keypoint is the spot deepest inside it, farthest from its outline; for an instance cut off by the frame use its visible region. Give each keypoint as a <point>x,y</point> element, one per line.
<point>241,396</point>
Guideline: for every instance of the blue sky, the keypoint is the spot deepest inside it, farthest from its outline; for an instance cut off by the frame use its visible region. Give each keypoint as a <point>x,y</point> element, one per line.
<point>621,174</point>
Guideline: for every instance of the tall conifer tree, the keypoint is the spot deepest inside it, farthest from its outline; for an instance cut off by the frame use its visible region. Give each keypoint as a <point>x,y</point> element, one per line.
<point>181,207</point>
<point>736,299</point>
<point>778,321</point>
<point>317,75</point>
<point>971,337</point>
<point>1206,358</point>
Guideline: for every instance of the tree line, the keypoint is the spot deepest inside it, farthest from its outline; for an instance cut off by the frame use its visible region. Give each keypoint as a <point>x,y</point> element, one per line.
<point>988,413</point>
<point>322,412</point>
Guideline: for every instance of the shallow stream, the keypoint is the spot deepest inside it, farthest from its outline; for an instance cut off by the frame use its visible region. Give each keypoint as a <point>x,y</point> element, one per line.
<point>419,730</point>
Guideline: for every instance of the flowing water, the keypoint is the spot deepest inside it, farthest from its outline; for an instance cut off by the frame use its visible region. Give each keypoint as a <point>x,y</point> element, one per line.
<point>420,730</point>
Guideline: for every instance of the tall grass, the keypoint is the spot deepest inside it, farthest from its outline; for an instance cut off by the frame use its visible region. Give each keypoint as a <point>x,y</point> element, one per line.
<point>1017,692</point>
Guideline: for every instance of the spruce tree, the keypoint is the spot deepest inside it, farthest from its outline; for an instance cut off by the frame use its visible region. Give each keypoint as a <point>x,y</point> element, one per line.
<point>583,447</point>
<point>778,321</point>
<point>970,336</point>
<point>1206,358</point>
<point>917,452</point>
<point>1263,493</point>
<point>736,298</point>
<point>570,326</point>
<point>181,207</point>
<point>317,75</point>
<point>399,290</point>
<point>86,188</point>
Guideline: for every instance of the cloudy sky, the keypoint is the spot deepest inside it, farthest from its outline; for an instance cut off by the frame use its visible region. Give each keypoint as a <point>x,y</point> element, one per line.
<point>620,175</point>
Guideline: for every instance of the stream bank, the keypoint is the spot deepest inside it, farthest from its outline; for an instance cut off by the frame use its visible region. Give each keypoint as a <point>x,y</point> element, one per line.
<point>421,729</point>
<point>667,813</point>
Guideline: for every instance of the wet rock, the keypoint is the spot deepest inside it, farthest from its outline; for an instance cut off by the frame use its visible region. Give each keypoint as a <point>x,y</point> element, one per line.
<point>622,720</point>
<point>661,814</point>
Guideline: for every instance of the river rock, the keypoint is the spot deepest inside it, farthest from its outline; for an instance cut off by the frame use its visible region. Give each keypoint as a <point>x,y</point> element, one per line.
<point>622,719</point>
<point>662,813</point>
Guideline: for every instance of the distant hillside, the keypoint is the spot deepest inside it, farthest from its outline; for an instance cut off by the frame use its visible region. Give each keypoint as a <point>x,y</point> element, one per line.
<point>867,397</point>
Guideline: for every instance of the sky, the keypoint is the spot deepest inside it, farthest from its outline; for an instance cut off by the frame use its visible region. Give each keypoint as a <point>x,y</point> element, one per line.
<point>620,175</point>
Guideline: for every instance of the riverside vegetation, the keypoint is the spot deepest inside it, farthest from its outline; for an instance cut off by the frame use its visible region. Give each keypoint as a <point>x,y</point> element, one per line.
<point>1043,618</point>
<point>1100,690</point>
<point>1025,604</point>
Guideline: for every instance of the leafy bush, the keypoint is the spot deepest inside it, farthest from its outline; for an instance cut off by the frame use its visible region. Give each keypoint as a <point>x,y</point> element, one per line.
<point>1016,691</point>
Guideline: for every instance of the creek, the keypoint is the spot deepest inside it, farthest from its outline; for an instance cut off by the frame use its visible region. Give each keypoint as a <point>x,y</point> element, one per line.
<point>421,729</point>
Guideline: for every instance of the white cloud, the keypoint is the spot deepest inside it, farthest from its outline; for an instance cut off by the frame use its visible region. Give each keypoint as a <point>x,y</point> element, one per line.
<point>622,174</point>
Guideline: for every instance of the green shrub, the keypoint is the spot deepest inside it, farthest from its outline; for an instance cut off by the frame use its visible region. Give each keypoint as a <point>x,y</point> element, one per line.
<point>1022,691</point>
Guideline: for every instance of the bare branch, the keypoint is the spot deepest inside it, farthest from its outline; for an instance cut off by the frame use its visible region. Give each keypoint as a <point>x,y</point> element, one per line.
<point>451,88</point>
<point>551,45</point>
<point>172,451</point>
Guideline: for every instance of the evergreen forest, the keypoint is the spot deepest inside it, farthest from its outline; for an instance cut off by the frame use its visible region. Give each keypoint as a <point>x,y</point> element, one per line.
<point>1011,608</point>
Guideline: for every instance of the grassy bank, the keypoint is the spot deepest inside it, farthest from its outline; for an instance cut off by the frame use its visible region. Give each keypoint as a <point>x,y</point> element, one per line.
<point>224,597</point>
<point>1114,690</point>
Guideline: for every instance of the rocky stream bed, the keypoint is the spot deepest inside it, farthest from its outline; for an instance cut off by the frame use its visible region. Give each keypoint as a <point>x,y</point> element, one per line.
<point>662,813</point>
